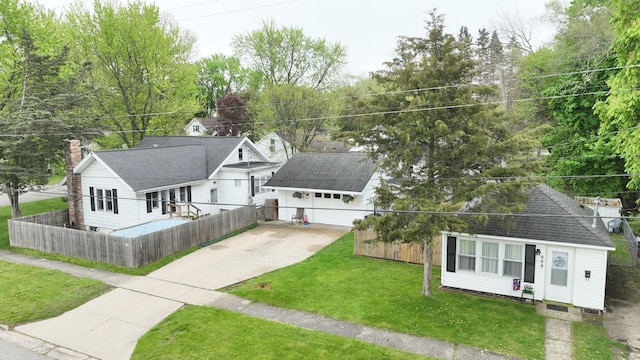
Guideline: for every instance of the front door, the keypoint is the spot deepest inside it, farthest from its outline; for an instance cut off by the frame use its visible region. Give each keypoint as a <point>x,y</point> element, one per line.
<point>559,279</point>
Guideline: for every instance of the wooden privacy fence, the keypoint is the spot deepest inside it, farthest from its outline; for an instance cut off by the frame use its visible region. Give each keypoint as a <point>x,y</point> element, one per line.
<point>35,232</point>
<point>365,244</point>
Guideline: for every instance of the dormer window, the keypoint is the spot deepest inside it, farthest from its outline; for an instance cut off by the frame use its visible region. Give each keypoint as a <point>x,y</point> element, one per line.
<point>240,154</point>
<point>196,128</point>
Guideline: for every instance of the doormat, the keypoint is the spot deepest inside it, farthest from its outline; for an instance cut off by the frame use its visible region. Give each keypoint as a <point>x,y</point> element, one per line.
<point>557,307</point>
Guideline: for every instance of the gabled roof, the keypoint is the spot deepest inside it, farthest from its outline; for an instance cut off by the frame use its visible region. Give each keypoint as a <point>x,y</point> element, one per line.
<point>324,171</point>
<point>159,161</point>
<point>210,125</point>
<point>551,216</point>
<point>148,168</point>
<point>216,148</point>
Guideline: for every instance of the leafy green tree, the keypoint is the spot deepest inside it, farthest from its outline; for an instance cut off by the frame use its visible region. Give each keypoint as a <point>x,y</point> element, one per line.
<point>583,62</point>
<point>285,55</point>
<point>140,75</point>
<point>38,96</point>
<point>220,75</point>
<point>437,141</point>
<point>297,73</point>
<point>619,111</point>
<point>299,113</point>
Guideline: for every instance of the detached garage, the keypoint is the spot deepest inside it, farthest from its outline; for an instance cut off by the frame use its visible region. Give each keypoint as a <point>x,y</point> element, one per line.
<point>325,188</point>
<point>552,251</point>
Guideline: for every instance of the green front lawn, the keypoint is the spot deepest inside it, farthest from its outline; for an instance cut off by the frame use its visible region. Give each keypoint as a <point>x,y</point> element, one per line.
<point>30,293</point>
<point>386,294</point>
<point>196,332</point>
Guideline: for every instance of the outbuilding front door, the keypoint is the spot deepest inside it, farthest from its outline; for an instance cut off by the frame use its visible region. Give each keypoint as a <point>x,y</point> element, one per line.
<point>559,275</point>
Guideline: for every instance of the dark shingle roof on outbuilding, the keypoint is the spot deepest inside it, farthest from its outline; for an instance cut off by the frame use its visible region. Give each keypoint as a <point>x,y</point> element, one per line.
<point>551,216</point>
<point>325,171</point>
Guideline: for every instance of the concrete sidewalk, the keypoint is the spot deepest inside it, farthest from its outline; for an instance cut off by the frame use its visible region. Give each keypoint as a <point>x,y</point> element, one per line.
<point>109,326</point>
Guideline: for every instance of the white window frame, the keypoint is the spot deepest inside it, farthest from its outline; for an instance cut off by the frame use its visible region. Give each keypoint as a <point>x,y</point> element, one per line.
<point>467,255</point>
<point>490,262</point>
<point>513,260</point>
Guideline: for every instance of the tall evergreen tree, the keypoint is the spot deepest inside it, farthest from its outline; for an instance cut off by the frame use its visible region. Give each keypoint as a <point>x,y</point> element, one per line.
<point>38,93</point>
<point>436,141</point>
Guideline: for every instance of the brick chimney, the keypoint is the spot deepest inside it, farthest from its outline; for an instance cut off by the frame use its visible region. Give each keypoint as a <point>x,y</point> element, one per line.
<point>73,156</point>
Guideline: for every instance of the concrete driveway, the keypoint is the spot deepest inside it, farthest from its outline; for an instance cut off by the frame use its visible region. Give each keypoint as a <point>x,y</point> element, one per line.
<point>109,326</point>
<point>249,254</point>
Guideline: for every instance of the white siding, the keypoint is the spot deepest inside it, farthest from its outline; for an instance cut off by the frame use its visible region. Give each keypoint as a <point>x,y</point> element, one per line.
<point>231,196</point>
<point>234,187</point>
<point>276,153</point>
<point>607,213</point>
<point>589,293</point>
<point>326,211</point>
<point>98,177</point>
<point>248,155</point>
<point>132,207</point>
<point>190,129</point>
<point>485,282</point>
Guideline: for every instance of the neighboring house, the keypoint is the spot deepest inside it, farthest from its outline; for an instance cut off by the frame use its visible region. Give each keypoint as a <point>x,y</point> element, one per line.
<point>274,146</point>
<point>171,176</point>
<point>552,247</point>
<point>332,188</point>
<point>277,148</point>
<point>202,127</point>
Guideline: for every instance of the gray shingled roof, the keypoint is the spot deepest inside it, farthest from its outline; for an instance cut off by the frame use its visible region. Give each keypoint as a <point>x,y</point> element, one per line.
<point>147,168</point>
<point>572,223</point>
<point>324,171</point>
<point>216,148</point>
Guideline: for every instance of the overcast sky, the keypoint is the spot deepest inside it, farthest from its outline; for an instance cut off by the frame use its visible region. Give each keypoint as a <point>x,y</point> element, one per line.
<point>369,29</point>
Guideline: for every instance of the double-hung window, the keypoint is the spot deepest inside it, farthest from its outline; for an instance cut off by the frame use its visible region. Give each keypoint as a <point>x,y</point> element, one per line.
<point>490,257</point>
<point>467,255</point>
<point>512,265</point>
<point>152,201</point>
<point>103,199</point>
<point>100,199</point>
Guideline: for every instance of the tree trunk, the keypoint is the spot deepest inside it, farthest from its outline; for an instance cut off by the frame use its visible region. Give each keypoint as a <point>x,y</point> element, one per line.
<point>15,205</point>
<point>428,253</point>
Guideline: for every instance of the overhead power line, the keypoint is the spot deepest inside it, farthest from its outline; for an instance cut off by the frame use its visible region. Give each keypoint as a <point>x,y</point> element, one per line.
<point>423,212</point>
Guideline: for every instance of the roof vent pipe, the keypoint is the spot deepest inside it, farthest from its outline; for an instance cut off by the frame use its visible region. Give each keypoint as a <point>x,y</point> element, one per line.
<point>595,212</point>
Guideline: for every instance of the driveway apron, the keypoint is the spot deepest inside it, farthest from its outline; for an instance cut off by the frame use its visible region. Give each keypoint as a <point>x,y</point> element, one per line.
<point>109,326</point>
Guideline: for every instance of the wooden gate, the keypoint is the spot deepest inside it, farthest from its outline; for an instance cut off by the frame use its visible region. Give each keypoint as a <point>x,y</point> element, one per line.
<point>271,209</point>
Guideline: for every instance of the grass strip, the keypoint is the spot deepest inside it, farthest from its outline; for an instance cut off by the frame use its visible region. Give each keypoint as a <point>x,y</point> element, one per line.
<point>30,293</point>
<point>387,294</point>
<point>195,332</point>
